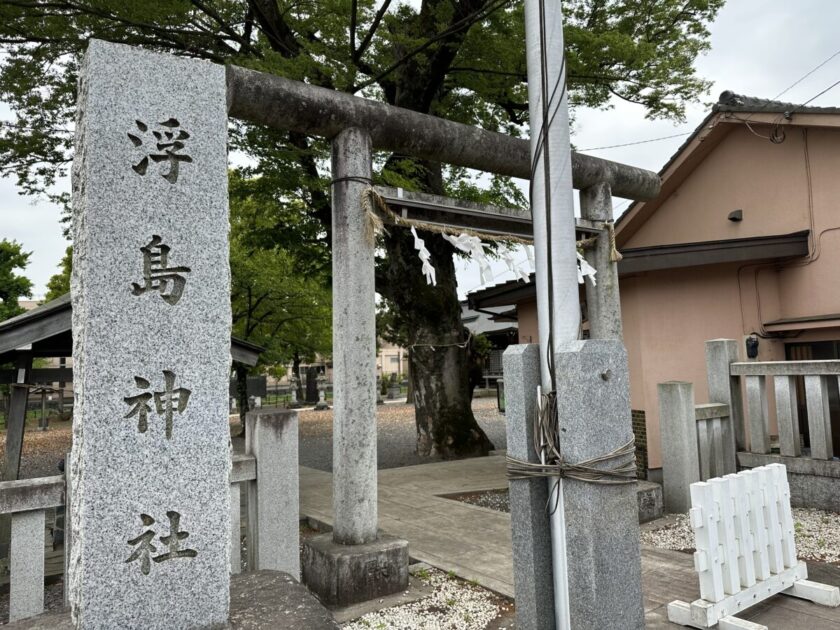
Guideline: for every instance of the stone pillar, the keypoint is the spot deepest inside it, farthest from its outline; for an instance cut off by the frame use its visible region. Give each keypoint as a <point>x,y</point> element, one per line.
<point>530,528</point>
<point>151,327</point>
<point>354,345</point>
<point>273,499</point>
<point>353,564</point>
<point>725,388</point>
<point>678,433</point>
<point>602,521</point>
<point>15,428</point>
<point>603,304</point>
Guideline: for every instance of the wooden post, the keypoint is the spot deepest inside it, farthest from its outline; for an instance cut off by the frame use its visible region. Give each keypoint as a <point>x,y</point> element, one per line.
<point>15,421</point>
<point>17,416</point>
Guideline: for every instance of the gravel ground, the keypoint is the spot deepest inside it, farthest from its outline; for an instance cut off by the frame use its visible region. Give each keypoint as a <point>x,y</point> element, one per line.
<point>817,534</point>
<point>498,500</point>
<point>396,434</point>
<point>454,605</point>
<point>43,450</point>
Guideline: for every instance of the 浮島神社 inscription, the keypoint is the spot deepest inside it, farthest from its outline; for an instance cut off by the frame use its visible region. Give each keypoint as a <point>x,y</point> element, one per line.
<point>144,547</point>
<point>150,509</point>
<point>165,147</point>
<point>168,402</point>
<point>158,275</point>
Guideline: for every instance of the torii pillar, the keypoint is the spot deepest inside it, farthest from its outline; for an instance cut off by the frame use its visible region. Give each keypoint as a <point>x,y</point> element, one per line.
<point>355,562</point>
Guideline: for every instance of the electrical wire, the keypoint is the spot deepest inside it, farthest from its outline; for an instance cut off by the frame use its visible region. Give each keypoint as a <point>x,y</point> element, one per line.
<point>630,144</point>
<point>805,76</point>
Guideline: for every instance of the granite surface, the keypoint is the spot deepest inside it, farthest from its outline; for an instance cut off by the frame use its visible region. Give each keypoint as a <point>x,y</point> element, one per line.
<point>530,529</point>
<point>602,525</point>
<point>354,345</point>
<point>151,328</point>
<point>678,433</point>
<point>274,502</point>
<point>344,575</point>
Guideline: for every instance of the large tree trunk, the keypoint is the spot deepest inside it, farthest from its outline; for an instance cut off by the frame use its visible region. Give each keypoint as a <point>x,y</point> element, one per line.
<point>439,352</point>
<point>446,425</point>
<point>296,372</point>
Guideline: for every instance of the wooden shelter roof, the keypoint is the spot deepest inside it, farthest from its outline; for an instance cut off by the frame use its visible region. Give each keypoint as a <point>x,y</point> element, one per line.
<point>47,330</point>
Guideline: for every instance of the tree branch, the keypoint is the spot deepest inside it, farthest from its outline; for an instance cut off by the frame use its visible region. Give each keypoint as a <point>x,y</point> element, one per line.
<point>458,26</point>
<point>357,54</point>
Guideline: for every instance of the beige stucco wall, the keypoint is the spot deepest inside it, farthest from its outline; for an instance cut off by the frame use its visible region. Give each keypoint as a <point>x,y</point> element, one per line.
<point>527,316</point>
<point>767,181</point>
<point>668,315</point>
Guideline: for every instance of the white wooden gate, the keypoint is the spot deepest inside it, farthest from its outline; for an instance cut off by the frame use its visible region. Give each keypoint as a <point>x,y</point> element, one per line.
<point>743,531</point>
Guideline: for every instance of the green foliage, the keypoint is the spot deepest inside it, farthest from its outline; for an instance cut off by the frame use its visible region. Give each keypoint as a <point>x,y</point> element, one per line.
<point>279,299</point>
<point>13,285</point>
<point>59,284</point>
<point>459,59</point>
<point>481,346</point>
<point>462,59</point>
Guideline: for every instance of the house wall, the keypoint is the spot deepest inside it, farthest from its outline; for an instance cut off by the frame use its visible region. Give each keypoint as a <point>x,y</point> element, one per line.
<point>668,315</point>
<point>767,181</point>
<point>526,313</point>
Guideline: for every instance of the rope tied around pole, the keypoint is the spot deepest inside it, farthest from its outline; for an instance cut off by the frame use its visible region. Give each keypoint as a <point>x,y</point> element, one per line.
<point>615,255</point>
<point>617,467</point>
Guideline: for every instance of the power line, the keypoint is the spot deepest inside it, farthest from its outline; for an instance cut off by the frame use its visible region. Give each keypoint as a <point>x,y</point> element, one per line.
<point>630,144</point>
<point>833,85</point>
<point>805,76</point>
<point>783,92</point>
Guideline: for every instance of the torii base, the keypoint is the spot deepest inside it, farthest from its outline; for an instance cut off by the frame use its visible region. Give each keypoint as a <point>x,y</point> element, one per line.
<point>343,575</point>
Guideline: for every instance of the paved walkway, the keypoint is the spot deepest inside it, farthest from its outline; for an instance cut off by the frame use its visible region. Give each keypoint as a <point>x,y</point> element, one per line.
<point>475,543</point>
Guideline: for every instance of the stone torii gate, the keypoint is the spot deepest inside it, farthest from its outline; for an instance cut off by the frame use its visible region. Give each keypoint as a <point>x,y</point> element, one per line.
<point>353,564</point>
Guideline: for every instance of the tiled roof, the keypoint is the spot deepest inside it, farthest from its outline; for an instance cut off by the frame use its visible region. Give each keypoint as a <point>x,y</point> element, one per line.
<point>729,101</point>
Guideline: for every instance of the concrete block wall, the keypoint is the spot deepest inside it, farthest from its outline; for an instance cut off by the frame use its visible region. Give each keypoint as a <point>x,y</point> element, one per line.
<point>640,433</point>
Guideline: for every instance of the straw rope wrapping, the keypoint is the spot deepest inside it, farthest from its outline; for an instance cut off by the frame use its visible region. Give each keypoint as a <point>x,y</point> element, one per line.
<point>372,202</point>
<point>372,199</point>
<point>614,468</point>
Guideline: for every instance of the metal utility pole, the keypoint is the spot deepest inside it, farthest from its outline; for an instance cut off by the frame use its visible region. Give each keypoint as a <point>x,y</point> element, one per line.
<point>552,209</point>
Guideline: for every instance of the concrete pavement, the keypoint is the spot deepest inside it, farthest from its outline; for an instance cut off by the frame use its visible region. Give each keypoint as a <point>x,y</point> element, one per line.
<point>474,543</point>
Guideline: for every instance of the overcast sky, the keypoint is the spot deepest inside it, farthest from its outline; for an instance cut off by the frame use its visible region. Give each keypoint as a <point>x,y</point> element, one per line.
<point>759,47</point>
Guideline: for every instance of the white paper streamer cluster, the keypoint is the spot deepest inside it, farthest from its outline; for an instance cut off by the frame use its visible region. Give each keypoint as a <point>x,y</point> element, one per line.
<point>585,269</point>
<point>520,272</point>
<point>424,255</point>
<point>473,246</point>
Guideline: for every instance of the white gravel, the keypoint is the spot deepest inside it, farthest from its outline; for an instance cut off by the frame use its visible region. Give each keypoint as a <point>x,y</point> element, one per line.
<point>817,535</point>
<point>454,605</point>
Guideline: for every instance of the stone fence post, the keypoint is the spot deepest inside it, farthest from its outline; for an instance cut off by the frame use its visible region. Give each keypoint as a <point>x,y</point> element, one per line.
<point>726,389</point>
<point>530,528</point>
<point>273,499</point>
<point>678,432</point>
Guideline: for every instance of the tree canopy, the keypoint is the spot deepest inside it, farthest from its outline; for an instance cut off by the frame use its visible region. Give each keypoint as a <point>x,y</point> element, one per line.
<point>59,283</point>
<point>13,285</point>
<point>459,59</point>
<point>279,295</point>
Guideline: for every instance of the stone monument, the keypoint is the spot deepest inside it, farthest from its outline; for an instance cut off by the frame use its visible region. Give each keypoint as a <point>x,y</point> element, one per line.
<point>150,465</point>
<point>322,405</point>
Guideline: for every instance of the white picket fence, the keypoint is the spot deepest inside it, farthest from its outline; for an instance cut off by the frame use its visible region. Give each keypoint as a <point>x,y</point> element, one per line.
<point>746,553</point>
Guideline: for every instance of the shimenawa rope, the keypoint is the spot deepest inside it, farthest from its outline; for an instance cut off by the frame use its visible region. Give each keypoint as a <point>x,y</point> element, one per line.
<point>373,201</point>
